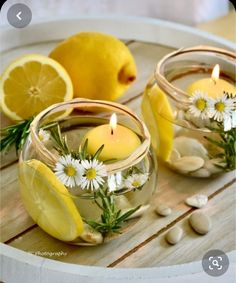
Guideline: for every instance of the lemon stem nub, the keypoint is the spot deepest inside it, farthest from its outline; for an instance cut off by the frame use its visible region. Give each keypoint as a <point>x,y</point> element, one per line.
<point>125,75</point>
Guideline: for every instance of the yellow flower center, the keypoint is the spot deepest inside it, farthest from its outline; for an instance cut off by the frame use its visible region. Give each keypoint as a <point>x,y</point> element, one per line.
<point>136,183</point>
<point>40,137</point>
<point>220,106</point>
<point>91,174</point>
<point>70,171</point>
<point>201,104</point>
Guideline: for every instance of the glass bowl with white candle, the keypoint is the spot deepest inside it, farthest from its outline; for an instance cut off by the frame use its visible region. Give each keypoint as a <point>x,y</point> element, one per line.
<point>189,106</point>
<point>89,176</point>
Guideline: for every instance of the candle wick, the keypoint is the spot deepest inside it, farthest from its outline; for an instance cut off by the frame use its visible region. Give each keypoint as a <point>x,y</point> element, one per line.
<point>111,131</point>
<point>214,81</point>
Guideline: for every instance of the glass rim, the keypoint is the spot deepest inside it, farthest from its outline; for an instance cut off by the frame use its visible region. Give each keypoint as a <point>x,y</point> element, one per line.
<point>78,103</point>
<point>177,94</point>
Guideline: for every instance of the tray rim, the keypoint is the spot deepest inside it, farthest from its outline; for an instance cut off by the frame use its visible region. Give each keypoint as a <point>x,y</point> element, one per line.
<point>139,28</point>
<point>49,269</point>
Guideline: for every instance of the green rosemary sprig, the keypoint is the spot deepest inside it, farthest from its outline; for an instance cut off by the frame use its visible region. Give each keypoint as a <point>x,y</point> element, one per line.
<point>61,141</point>
<point>15,135</point>
<point>111,218</point>
<point>227,143</point>
<point>63,148</point>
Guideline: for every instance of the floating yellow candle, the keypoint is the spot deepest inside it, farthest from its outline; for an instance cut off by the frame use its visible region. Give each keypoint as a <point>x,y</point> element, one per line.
<point>119,142</point>
<point>213,86</point>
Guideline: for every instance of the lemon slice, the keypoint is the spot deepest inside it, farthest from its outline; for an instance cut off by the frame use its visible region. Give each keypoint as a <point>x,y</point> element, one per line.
<point>32,83</point>
<point>48,201</point>
<point>158,116</point>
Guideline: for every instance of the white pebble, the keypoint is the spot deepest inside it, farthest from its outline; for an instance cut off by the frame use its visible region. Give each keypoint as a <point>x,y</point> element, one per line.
<point>90,235</point>
<point>188,163</point>
<point>190,147</point>
<point>122,202</point>
<point>175,155</point>
<point>201,173</point>
<point>211,165</point>
<point>197,201</point>
<point>137,213</point>
<point>200,222</point>
<point>181,127</point>
<point>174,235</point>
<point>163,210</point>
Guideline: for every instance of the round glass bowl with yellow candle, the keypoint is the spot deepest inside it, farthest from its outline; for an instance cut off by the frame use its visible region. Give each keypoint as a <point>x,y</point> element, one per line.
<point>189,106</point>
<point>88,177</point>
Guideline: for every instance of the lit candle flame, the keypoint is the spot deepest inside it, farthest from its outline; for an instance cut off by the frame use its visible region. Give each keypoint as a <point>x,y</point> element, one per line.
<point>215,73</point>
<point>113,122</point>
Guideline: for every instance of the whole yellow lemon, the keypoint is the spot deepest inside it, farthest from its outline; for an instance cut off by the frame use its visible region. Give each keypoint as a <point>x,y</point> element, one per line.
<point>100,65</point>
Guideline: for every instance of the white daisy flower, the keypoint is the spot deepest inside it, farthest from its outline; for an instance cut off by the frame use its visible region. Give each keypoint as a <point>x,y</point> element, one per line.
<point>222,107</point>
<point>114,181</point>
<point>43,135</point>
<point>200,103</point>
<point>233,119</point>
<point>227,123</point>
<point>230,122</point>
<point>69,171</point>
<point>135,181</point>
<point>94,171</point>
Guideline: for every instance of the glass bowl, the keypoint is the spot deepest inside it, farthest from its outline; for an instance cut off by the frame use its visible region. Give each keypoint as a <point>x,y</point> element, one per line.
<point>70,192</point>
<point>192,145</point>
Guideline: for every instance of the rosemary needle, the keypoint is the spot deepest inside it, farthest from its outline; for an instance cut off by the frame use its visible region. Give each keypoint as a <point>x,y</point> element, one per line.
<point>15,135</point>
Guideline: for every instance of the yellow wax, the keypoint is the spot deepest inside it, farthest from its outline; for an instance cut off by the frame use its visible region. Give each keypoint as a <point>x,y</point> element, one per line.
<point>213,89</point>
<point>119,145</point>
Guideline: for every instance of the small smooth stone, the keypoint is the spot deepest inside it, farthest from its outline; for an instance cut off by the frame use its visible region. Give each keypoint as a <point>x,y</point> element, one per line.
<point>174,235</point>
<point>137,213</point>
<point>210,165</point>
<point>163,210</point>
<point>180,115</point>
<point>90,235</point>
<point>200,222</point>
<point>175,155</point>
<point>190,147</point>
<point>200,123</point>
<point>188,163</point>
<point>201,173</point>
<point>197,201</point>
<point>181,127</point>
<point>122,202</point>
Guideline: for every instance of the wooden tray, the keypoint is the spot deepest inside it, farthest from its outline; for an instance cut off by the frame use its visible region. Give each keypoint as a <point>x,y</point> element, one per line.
<point>30,255</point>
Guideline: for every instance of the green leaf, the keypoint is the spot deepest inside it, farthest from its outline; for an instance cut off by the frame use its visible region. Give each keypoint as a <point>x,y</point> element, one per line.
<point>126,215</point>
<point>98,152</point>
<point>15,135</point>
<point>84,150</point>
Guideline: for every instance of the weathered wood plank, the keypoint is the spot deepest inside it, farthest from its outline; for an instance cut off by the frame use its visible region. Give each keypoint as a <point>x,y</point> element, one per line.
<point>172,190</point>
<point>146,57</point>
<point>14,218</point>
<point>6,157</point>
<point>193,246</point>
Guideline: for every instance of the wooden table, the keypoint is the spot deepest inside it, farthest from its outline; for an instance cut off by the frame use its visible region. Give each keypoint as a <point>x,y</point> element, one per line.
<point>144,245</point>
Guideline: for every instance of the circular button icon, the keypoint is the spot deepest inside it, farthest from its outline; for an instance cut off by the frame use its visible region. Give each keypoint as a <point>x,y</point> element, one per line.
<point>215,263</point>
<point>19,15</point>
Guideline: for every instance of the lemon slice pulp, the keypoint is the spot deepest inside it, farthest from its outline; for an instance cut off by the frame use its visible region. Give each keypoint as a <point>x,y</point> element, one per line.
<point>48,201</point>
<point>32,83</point>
